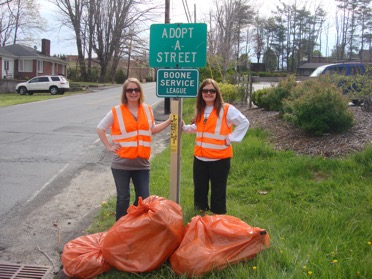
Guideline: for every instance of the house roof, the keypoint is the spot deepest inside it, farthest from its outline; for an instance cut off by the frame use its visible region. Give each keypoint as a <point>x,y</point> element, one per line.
<point>20,51</point>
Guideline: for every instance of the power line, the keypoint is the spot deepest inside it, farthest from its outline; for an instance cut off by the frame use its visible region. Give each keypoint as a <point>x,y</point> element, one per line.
<point>186,9</point>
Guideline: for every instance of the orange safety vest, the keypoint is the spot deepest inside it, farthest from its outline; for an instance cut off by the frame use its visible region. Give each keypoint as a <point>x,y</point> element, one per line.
<point>210,137</point>
<point>133,136</point>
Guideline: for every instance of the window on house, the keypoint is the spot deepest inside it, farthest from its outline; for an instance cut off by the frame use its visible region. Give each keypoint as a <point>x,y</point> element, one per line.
<point>25,66</point>
<point>39,66</point>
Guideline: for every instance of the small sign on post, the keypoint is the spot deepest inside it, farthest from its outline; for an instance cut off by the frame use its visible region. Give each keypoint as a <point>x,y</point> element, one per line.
<point>177,83</point>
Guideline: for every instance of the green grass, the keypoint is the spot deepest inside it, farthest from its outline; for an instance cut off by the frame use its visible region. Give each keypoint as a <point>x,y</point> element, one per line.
<point>10,99</point>
<point>317,211</point>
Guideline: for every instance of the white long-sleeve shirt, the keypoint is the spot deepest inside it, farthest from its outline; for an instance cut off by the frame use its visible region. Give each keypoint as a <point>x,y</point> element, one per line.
<point>233,117</point>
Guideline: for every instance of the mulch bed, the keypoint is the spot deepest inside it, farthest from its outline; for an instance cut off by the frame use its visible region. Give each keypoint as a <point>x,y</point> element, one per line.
<point>285,136</point>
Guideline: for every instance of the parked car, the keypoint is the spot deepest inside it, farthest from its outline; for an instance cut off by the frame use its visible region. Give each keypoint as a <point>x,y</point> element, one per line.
<point>345,69</point>
<point>346,77</point>
<point>54,84</point>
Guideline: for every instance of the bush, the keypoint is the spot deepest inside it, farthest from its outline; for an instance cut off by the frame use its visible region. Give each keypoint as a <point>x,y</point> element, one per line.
<point>318,107</point>
<point>265,98</point>
<point>120,77</point>
<point>270,74</point>
<point>257,96</point>
<point>231,93</point>
<point>272,98</point>
<point>357,88</point>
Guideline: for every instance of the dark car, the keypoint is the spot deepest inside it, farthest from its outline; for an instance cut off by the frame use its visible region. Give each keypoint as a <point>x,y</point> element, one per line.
<point>347,73</point>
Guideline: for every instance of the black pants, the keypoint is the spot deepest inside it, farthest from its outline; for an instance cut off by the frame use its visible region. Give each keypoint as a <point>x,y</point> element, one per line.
<point>217,173</point>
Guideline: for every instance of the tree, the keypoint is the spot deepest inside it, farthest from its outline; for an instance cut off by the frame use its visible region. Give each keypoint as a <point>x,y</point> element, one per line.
<point>72,14</point>
<point>19,21</point>
<point>364,20</point>
<point>258,37</point>
<point>270,60</point>
<point>353,18</point>
<point>225,25</point>
<point>105,28</point>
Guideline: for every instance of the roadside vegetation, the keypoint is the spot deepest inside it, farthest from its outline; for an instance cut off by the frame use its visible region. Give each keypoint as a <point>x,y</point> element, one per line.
<point>9,99</point>
<point>316,210</point>
<point>317,106</point>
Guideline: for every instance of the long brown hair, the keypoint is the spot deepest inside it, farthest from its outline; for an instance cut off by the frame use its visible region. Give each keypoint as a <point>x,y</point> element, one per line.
<point>200,103</point>
<point>124,99</point>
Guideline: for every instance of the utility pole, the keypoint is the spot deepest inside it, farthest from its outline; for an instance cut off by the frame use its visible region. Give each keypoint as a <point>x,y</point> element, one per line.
<point>129,51</point>
<point>167,20</point>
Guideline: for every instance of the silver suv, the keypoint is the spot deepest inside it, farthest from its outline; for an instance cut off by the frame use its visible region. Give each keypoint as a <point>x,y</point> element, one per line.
<point>54,84</point>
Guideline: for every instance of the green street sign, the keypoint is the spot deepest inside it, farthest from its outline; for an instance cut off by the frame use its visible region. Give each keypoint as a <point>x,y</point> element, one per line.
<point>179,45</point>
<point>174,83</point>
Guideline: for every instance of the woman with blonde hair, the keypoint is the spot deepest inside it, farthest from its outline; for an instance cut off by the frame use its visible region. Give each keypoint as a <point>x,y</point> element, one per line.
<point>132,126</point>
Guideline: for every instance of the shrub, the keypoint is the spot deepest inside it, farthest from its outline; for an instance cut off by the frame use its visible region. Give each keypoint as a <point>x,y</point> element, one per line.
<point>318,107</point>
<point>272,98</point>
<point>120,76</point>
<point>257,96</point>
<point>231,93</point>
<point>357,88</point>
<point>267,98</point>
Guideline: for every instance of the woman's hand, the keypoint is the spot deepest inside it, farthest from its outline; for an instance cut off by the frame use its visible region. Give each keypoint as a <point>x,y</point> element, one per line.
<point>114,148</point>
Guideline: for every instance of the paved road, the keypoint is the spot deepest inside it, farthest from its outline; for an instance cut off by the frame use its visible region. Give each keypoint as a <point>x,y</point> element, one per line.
<point>42,141</point>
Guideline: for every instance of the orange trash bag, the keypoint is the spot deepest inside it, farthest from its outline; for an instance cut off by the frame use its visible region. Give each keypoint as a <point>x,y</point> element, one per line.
<point>143,240</point>
<point>213,242</point>
<point>82,256</point>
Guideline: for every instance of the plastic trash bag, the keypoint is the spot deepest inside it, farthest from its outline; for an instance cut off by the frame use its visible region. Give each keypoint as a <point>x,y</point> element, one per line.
<point>82,256</point>
<point>213,242</point>
<point>143,240</point>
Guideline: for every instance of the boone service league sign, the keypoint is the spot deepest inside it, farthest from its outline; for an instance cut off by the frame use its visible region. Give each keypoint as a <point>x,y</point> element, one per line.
<point>176,83</point>
<point>178,45</point>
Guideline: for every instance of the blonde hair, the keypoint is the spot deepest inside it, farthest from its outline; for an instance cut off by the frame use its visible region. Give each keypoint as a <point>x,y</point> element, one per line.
<point>124,99</point>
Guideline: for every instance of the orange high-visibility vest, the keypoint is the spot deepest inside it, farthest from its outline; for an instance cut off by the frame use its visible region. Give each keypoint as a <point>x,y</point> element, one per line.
<point>211,136</point>
<point>133,136</point>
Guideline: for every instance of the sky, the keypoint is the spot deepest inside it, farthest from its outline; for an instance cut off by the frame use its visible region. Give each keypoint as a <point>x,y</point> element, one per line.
<point>62,39</point>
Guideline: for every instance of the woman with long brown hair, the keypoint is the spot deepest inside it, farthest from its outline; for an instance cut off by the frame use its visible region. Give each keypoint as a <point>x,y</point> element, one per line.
<point>213,126</point>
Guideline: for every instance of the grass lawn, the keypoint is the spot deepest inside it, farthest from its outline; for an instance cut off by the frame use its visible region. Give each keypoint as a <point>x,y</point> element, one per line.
<point>317,211</point>
<point>9,99</point>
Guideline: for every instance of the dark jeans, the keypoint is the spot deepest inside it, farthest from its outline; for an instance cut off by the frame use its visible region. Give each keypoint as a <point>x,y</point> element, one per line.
<point>217,173</point>
<point>141,182</point>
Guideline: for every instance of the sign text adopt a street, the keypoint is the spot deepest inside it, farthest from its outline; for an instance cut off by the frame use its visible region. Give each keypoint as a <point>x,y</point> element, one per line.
<point>179,45</point>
